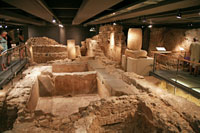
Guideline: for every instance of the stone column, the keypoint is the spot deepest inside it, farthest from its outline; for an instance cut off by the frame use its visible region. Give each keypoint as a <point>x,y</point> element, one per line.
<point>71,49</point>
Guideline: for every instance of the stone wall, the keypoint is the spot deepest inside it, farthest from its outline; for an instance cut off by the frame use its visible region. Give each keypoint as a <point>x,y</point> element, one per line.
<point>172,39</point>
<point>111,40</point>
<point>44,49</point>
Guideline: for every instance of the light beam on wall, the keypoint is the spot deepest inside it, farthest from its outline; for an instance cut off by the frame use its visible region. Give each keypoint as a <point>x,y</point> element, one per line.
<point>112,40</point>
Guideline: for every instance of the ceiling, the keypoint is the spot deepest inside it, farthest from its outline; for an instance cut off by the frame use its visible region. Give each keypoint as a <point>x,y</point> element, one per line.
<point>93,12</point>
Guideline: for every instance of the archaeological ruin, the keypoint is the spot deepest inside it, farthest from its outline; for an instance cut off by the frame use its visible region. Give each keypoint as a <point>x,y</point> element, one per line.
<point>116,67</point>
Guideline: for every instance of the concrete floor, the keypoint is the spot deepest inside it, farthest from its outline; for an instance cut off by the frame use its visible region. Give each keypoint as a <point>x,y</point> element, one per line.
<point>64,106</point>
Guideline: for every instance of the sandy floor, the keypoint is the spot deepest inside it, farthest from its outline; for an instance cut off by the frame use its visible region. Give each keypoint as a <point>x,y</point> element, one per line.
<point>63,106</point>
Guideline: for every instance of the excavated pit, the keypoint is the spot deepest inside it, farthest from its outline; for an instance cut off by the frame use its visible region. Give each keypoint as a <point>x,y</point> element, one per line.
<point>67,88</point>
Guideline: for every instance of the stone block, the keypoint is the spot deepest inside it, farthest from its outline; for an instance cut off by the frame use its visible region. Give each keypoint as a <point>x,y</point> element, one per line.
<point>78,51</point>
<point>136,53</point>
<point>124,62</point>
<point>134,38</point>
<point>140,66</point>
<point>46,85</point>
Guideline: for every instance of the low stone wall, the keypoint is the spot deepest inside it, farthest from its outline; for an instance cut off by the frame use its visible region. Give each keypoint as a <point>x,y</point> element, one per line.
<point>69,67</point>
<point>49,48</point>
<point>43,49</point>
<point>45,57</point>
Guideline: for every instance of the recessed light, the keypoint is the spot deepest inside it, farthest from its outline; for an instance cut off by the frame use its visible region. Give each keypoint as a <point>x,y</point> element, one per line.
<point>113,13</point>
<point>150,26</point>
<point>179,15</point>
<point>54,21</point>
<point>60,25</point>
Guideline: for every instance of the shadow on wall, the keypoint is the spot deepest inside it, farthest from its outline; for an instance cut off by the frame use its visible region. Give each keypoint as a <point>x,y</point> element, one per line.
<point>172,39</point>
<point>61,35</point>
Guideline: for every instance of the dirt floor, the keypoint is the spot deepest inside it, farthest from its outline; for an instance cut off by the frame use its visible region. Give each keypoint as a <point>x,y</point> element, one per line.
<point>64,106</point>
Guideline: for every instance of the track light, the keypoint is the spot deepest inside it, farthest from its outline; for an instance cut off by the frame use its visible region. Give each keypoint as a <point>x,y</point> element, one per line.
<point>150,26</point>
<point>179,15</point>
<point>54,21</point>
<point>60,25</point>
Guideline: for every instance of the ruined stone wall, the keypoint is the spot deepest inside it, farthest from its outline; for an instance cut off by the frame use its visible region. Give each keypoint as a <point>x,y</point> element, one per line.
<point>45,49</point>
<point>172,39</point>
<point>111,40</point>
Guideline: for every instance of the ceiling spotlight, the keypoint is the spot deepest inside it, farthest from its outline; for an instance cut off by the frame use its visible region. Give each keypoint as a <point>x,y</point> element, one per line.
<point>92,29</point>
<point>179,15</point>
<point>199,13</point>
<point>6,26</point>
<point>17,29</point>
<point>113,13</point>
<point>60,25</point>
<point>1,26</point>
<point>114,24</point>
<point>54,21</point>
<point>150,26</point>
<point>143,26</point>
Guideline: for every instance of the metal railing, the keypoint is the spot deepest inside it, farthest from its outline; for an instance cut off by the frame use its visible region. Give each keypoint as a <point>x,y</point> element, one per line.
<point>175,69</point>
<point>14,59</point>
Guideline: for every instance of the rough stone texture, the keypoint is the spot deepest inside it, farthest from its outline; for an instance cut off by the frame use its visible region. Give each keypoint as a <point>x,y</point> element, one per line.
<point>78,51</point>
<point>110,40</point>
<point>64,106</point>
<point>172,39</point>
<point>43,49</point>
<point>136,53</point>
<point>142,112</point>
<point>124,62</point>
<point>69,67</point>
<point>75,83</point>
<point>45,85</point>
<point>134,39</point>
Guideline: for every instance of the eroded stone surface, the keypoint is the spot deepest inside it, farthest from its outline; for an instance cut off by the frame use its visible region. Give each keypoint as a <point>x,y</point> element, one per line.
<point>75,83</point>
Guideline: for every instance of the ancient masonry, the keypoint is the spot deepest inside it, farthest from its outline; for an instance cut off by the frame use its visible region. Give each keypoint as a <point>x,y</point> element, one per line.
<point>124,101</point>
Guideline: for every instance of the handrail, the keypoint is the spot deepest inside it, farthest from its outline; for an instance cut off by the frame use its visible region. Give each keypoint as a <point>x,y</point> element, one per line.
<point>13,49</point>
<point>181,59</point>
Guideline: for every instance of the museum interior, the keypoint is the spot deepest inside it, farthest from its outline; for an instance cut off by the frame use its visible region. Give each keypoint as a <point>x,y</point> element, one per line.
<point>100,66</point>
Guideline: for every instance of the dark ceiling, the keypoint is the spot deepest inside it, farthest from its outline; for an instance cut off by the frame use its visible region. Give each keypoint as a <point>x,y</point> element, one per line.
<point>92,12</point>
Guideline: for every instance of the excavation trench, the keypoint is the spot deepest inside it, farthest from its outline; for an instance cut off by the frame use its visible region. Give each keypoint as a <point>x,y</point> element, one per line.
<point>64,90</point>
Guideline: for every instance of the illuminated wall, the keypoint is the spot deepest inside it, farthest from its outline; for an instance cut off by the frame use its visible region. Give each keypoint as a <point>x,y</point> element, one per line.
<point>134,39</point>
<point>172,39</point>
